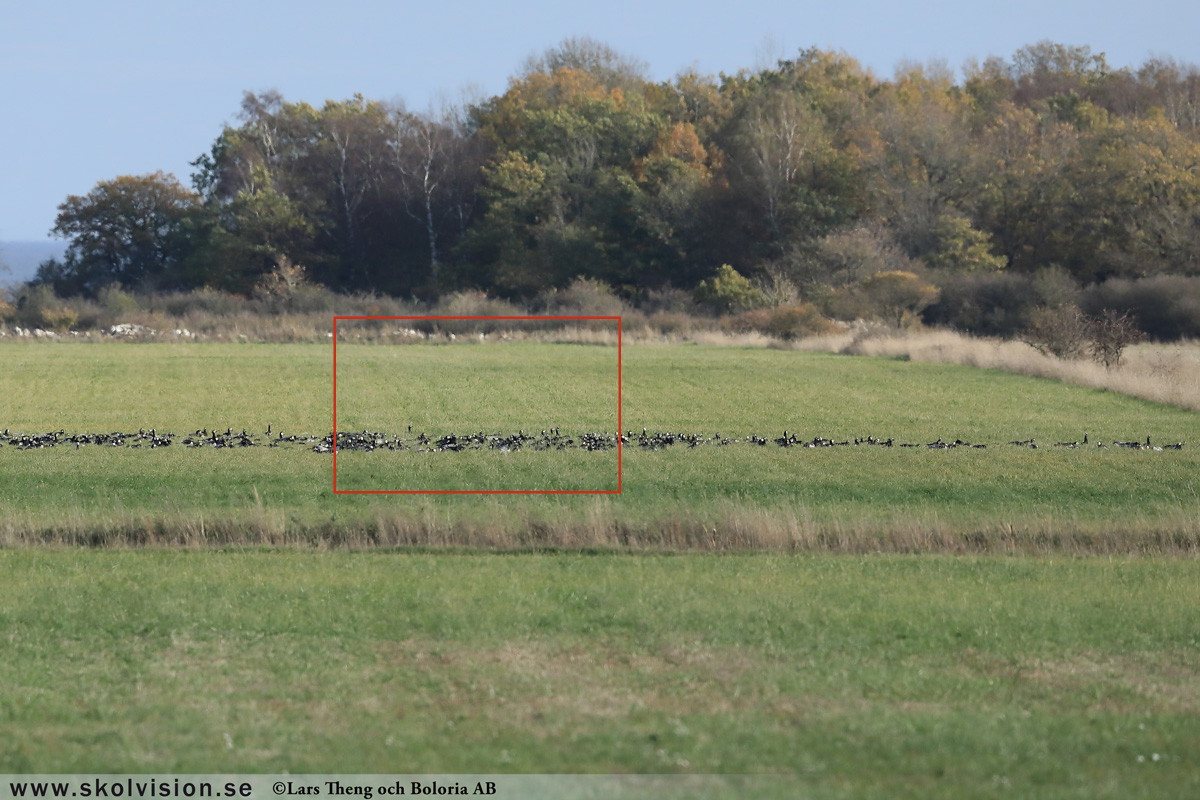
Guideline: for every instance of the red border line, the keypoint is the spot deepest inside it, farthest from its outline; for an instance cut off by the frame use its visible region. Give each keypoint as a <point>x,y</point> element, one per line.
<point>482,491</point>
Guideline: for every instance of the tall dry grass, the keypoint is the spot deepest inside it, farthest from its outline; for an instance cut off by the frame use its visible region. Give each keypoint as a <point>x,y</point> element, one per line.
<point>1162,373</point>
<point>602,527</point>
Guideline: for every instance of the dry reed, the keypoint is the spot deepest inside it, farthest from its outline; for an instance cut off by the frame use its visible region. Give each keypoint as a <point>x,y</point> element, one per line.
<point>1162,373</point>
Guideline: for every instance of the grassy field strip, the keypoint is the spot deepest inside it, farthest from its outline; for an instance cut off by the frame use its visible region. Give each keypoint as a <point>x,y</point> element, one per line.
<point>883,676</point>
<point>1003,498</point>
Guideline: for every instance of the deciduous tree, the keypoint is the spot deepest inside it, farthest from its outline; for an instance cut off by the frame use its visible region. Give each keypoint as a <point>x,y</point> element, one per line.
<point>129,230</point>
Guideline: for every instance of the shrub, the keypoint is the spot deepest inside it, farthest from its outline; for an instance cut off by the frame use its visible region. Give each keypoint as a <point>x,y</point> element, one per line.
<point>728,291</point>
<point>848,256</point>
<point>669,299</point>
<point>1067,332</point>
<point>1111,333</point>
<point>468,304</point>
<point>845,303</point>
<point>287,287</point>
<point>986,304</point>
<point>798,321</point>
<point>91,315</point>
<point>1165,307</point>
<point>784,322</point>
<point>206,301</point>
<point>585,297</point>
<point>671,322</point>
<point>475,304</point>
<point>311,298</point>
<point>117,302</point>
<point>778,290</point>
<point>1061,332</point>
<point>897,296</point>
<point>754,320</point>
<point>39,307</point>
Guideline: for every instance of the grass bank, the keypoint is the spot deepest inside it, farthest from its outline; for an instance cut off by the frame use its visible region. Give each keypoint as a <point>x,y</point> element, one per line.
<point>861,677</point>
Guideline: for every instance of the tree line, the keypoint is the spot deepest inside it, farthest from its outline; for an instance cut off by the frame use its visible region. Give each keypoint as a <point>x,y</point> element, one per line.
<point>814,174</point>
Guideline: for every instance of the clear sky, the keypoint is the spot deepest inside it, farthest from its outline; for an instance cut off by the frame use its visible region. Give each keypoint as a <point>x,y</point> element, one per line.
<point>91,90</point>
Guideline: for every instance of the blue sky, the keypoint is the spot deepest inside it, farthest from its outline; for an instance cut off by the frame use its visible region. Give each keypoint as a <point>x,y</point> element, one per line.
<point>92,90</point>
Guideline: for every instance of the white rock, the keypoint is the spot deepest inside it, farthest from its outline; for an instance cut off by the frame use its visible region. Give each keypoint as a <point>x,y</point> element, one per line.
<point>130,329</point>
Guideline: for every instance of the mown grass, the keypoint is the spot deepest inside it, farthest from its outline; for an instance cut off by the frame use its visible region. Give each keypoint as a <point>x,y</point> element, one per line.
<point>888,676</point>
<point>737,496</point>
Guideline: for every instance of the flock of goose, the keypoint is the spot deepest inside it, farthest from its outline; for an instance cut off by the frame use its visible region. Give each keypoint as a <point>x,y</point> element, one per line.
<point>149,439</point>
<point>658,441</point>
<point>550,439</point>
<point>547,439</point>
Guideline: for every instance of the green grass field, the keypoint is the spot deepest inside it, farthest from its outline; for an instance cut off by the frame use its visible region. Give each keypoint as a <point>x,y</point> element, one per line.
<point>881,676</point>
<point>746,494</point>
<point>1032,631</point>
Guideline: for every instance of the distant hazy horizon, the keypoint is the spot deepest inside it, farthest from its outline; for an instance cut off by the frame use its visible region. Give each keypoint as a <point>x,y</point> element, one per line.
<point>23,257</point>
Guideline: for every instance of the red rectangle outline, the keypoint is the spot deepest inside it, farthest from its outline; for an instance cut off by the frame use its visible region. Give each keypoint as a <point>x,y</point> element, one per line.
<point>480,491</point>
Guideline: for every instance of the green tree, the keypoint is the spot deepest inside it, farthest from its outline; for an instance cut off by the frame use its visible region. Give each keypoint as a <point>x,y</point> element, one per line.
<point>960,247</point>
<point>585,180</point>
<point>917,154</point>
<point>1025,193</point>
<point>129,230</point>
<point>728,290</point>
<point>333,177</point>
<point>583,54</point>
<point>245,238</point>
<point>1047,68</point>
<point>437,159</point>
<point>787,175</point>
